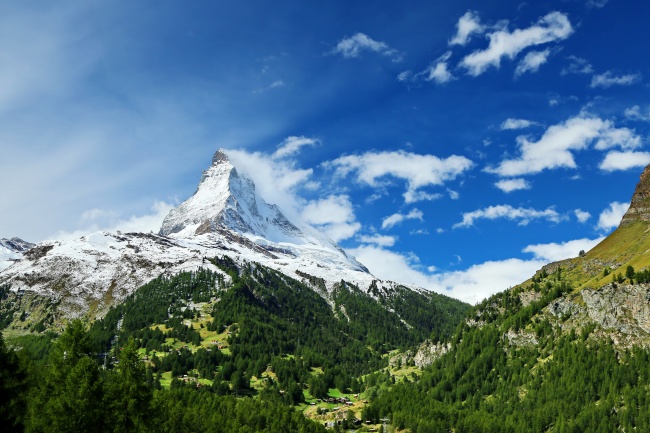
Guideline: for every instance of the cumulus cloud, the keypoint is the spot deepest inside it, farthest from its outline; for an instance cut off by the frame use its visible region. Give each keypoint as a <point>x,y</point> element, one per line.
<point>468,25</point>
<point>439,70</point>
<point>555,26</point>
<point>353,46</point>
<point>509,185</point>
<point>522,215</point>
<point>397,218</point>
<point>577,65</point>
<point>94,220</point>
<point>608,79</point>
<point>622,137</point>
<point>511,123</point>
<point>554,148</point>
<point>611,217</point>
<point>333,215</point>
<point>417,170</point>
<point>582,216</point>
<point>379,240</point>
<point>553,252</point>
<point>292,145</point>
<point>624,160</point>
<point>532,61</point>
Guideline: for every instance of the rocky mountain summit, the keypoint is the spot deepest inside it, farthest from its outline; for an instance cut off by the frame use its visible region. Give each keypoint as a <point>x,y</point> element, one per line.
<point>640,203</point>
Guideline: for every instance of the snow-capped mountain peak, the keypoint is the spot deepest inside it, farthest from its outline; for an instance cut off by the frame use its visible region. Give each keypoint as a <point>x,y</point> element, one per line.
<point>225,198</point>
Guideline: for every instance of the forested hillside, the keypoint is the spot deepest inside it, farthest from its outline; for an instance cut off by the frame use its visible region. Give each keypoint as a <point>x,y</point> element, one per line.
<point>515,366</point>
<point>208,351</point>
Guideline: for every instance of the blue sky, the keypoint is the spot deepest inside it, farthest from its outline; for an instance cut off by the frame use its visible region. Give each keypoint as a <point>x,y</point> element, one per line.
<point>454,145</point>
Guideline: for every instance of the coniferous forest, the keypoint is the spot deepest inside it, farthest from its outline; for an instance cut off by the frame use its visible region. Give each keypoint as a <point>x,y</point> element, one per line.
<point>250,352</point>
<point>194,352</point>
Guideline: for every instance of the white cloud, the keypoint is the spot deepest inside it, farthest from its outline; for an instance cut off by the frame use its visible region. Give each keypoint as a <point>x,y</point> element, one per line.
<point>554,252</point>
<point>635,113</point>
<point>454,195</point>
<point>397,218</point>
<point>439,70</point>
<point>276,179</point>
<point>475,283</point>
<point>95,220</point>
<point>509,185</point>
<point>292,145</point>
<point>596,3</point>
<point>511,123</point>
<point>417,170</point>
<point>333,215</point>
<point>470,285</point>
<point>553,149</point>
<point>624,160</point>
<point>468,25</point>
<point>577,65</point>
<point>621,137</point>
<point>532,61</point>
<point>379,240</point>
<point>553,27</point>
<point>582,216</point>
<point>405,76</point>
<point>523,215</point>
<point>354,45</point>
<point>611,217</point>
<point>608,79</point>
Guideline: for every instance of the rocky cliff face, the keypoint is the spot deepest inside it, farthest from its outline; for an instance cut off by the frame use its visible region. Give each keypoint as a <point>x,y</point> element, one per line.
<point>620,312</point>
<point>640,203</point>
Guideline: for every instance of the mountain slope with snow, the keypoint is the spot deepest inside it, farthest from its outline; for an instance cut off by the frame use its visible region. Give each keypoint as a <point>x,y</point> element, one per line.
<point>225,216</point>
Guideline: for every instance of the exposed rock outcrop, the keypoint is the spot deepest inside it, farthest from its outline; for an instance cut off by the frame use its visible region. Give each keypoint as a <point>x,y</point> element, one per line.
<point>640,203</point>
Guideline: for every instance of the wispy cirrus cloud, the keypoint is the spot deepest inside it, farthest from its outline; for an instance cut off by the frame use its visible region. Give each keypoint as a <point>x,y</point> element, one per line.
<point>379,240</point>
<point>522,215</point>
<point>532,62</point>
<point>577,65</point>
<point>98,219</point>
<point>635,113</point>
<point>397,218</point>
<point>609,79</point>
<point>439,70</point>
<point>554,26</point>
<point>353,46</point>
<point>511,123</point>
<point>292,145</point>
<point>417,170</point>
<point>469,24</point>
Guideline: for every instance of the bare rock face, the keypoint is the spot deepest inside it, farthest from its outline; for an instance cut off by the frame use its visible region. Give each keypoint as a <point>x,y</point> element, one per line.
<point>640,203</point>
<point>429,352</point>
<point>621,313</point>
